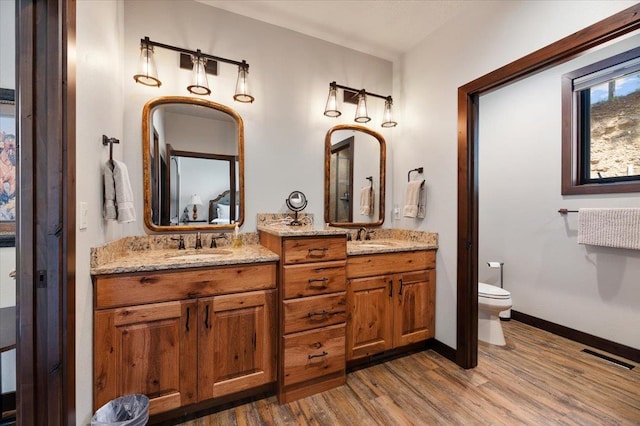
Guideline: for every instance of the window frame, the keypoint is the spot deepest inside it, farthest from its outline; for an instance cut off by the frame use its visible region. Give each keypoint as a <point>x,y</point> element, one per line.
<point>574,152</point>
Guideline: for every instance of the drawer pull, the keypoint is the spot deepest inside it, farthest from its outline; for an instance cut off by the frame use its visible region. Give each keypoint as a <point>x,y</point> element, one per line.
<point>400,291</point>
<point>324,313</point>
<point>390,288</point>
<point>322,281</point>
<point>187,322</point>
<point>324,353</point>
<point>322,251</point>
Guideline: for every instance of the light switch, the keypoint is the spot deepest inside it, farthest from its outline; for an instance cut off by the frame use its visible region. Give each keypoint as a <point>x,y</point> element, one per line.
<point>82,215</point>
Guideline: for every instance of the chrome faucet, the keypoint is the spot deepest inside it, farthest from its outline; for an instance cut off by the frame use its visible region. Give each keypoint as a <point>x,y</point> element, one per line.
<point>198,241</point>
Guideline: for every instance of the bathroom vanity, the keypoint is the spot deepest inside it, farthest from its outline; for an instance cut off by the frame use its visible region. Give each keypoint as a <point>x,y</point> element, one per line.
<point>185,335</point>
<point>191,328</point>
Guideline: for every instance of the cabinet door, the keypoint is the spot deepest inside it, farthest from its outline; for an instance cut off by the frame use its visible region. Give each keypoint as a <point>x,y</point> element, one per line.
<point>414,308</point>
<point>148,349</point>
<point>236,347</point>
<point>369,327</point>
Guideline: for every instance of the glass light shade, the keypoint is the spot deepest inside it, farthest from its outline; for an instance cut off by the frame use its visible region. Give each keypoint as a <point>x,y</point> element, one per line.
<point>387,117</point>
<point>242,86</point>
<point>361,109</point>
<point>331,108</point>
<point>147,73</point>
<point>199,85</point>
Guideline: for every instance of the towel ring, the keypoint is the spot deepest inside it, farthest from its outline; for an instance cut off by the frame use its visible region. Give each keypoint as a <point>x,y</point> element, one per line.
<point>417,169</point>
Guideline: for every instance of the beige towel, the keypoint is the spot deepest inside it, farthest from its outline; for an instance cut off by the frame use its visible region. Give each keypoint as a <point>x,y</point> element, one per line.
<point>618,228</point>
<point>109,211</point>
<point>366,201</point>
<point>124,193</point>
<point>412,197</point>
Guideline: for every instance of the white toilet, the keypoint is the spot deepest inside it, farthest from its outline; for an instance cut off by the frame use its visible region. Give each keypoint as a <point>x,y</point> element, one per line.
<point>491,301</point>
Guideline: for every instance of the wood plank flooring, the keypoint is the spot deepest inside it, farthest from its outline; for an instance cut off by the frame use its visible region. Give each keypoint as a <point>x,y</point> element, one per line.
<point>537,379</point>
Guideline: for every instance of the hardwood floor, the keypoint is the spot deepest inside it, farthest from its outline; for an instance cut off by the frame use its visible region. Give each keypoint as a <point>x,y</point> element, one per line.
<point>537,379</point>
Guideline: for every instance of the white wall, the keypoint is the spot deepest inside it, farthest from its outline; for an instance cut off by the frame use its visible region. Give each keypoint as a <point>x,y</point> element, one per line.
<point>284,128</point>
<point>289,76</point>
<point>487,36</point>
<point>99,110</point>
<point>591,289</point>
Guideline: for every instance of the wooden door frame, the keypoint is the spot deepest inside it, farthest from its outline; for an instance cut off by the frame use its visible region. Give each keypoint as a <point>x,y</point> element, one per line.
<point>45,227</point>
<point>468,95</point>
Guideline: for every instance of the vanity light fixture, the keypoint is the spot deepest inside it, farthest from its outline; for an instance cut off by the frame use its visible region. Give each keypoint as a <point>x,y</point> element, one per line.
<point>201,63</point>
<point>358,97</point>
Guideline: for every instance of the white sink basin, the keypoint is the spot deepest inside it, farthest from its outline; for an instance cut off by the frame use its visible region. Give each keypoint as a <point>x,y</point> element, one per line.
<point>201,256</point>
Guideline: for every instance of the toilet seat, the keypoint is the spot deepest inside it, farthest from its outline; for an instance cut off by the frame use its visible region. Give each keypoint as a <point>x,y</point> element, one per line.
<point>492,292</point>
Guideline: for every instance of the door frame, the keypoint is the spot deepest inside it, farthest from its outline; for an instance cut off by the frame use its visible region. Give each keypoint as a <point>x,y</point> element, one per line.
<point>45,225</point>
<point>468,109</point>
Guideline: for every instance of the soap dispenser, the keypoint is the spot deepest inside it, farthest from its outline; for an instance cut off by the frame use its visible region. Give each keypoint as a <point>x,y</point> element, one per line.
<point>237,239</point>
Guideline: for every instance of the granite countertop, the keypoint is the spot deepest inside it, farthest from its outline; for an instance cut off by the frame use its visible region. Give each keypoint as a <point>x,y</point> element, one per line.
<point>163,259</point>
<point>159,252</point>
<point>355,248</point>
<point>284,230</point>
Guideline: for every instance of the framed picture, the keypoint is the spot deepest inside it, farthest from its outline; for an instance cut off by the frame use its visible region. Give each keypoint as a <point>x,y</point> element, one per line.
<point>8,179</point>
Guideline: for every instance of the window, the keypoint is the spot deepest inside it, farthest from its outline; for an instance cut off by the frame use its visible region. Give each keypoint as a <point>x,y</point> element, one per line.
<point>601,126</point>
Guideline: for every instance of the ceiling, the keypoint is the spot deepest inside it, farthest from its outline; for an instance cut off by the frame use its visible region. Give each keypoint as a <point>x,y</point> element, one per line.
<point>383,28</point>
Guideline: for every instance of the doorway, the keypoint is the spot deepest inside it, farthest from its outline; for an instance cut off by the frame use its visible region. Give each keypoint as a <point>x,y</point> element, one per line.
<point>468,112</point>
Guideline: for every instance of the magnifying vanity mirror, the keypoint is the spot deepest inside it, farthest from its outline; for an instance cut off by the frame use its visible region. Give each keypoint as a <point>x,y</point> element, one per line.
<point>296,202</point>
<point>354,176</point>
<point>193,165</point>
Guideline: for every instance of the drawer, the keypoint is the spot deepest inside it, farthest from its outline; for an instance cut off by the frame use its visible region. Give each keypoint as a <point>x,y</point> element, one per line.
<point>320,249</point>
<point>313,279</point>
<point>151,287</point>
<point>390,263</point>
<point>312,354</point>
<point>314,311</point>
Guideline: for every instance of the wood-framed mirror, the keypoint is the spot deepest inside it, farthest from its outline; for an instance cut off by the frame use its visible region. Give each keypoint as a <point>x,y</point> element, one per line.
<point>354,176</point>
<point>193,165</point>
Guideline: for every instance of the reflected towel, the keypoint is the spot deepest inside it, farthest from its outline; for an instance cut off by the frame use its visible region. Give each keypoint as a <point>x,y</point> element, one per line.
<point>412,197</point>
<point>124,193</point>
<point>366,201</point>
<point>618,228</point>
<point>109,209</point>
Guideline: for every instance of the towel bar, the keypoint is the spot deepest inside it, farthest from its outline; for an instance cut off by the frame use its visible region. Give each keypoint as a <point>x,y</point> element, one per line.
<point>565,211</point>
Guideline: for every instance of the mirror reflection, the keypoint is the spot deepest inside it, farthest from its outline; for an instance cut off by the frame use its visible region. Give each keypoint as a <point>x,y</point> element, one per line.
<point>193,165</point>
<point>355,158</point>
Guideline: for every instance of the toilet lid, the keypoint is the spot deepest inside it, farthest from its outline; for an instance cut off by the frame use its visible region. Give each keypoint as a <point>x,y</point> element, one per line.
<point>492,292</point>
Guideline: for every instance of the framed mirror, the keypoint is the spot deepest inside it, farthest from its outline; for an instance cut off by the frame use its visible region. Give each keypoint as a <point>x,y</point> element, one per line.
<point>354,176</point>
<point>193,165</point>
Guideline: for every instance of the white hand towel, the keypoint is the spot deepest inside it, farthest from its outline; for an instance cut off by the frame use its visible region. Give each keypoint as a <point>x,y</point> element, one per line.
<point>109,210</point>
<point>366,201</point>
<point>412,197</point>
<point>618,228</point>
<point>124,193</point>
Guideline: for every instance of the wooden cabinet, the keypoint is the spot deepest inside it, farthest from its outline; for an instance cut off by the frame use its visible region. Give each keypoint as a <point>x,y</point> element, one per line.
<point>313,311</point>
<point>217,339</point>
<point>391,301</point>
<point>148,349</point>
<point>236,336</point>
